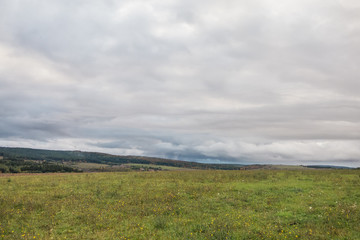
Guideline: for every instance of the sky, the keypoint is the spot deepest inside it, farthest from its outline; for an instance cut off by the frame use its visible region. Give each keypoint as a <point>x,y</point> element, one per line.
<point>210,81</point>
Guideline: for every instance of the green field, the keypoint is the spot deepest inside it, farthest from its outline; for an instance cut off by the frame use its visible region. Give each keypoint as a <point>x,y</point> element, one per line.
<point>259,204</point>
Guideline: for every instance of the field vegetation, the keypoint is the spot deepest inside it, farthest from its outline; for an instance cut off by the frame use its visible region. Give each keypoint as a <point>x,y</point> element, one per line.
<point>197,204</point>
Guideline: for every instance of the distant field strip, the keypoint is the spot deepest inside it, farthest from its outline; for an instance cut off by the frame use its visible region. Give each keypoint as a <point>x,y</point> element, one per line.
<point>259,204</point>
<point>156,166</point>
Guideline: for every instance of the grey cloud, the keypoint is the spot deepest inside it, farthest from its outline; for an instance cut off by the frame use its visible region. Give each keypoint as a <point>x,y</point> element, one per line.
<point>207,81</point>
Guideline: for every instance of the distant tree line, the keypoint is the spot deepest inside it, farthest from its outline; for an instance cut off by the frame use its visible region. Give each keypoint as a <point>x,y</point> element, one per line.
<point>18,154</point>
<point>16,165</point>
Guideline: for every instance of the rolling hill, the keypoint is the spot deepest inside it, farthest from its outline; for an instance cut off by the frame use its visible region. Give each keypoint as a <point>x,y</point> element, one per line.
<point>39,160</point>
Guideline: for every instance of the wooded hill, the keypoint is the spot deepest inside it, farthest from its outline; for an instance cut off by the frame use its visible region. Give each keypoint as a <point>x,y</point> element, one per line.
<point>37,160</point>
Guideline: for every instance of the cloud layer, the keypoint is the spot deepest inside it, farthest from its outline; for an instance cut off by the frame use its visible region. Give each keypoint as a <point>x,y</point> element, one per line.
<point>241,81</point>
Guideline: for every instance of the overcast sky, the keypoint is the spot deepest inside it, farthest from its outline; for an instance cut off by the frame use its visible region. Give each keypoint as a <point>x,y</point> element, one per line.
<point>240,81</point>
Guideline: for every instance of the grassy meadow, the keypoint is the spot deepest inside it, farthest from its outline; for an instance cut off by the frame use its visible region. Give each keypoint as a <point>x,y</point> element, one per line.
<point>259,204</point>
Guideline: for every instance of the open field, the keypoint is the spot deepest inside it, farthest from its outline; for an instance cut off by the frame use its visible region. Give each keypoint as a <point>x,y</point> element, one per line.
<point>260,204</point>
